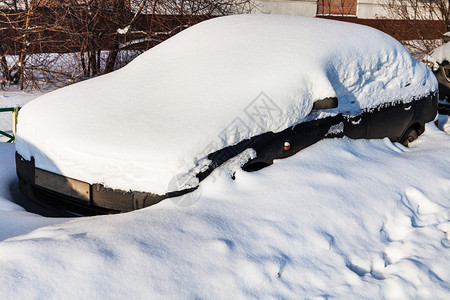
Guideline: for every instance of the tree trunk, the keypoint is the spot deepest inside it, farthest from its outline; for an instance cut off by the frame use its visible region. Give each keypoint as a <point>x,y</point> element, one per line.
<point>4,65</point>
<point>112,57</point>
<point>24,43</point>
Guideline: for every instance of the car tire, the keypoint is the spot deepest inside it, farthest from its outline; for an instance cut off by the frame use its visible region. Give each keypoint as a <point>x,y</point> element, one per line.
<point>443,76</point>
<point>410,135</point>
<point>445,70</point>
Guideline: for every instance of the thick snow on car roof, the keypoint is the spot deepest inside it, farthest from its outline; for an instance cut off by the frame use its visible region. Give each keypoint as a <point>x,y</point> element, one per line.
<point>440,54</point>
<point>212,85</point>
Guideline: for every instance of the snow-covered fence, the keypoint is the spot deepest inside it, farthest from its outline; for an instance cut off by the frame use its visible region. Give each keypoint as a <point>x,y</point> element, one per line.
<point>15,113</point>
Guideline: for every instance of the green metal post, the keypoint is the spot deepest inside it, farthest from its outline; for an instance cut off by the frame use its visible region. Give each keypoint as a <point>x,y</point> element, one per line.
<point>14,122</point>
<point>15,114</point>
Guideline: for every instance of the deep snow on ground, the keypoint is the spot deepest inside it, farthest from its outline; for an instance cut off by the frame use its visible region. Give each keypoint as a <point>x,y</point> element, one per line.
<point>201,91</point>
<point>341,219</point>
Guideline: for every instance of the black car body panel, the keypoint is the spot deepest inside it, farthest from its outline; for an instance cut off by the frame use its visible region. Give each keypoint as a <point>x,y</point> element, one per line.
<point>443,76</point>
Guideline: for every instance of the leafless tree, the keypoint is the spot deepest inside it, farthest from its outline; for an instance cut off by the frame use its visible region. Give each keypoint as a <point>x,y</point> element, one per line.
<point>63,41</point>
<point>426,19</point>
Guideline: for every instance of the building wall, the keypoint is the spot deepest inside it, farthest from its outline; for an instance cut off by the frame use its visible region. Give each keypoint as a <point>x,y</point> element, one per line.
<point>367,12</point>
<point>287,7</point>
<point>370,9</point>
<point>337,7</point>
<point>364,9</point>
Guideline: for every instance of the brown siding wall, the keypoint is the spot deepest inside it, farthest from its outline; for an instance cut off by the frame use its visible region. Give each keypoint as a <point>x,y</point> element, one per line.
<point>62,33</point>
<point>105,4</point>
<point>401,29</point>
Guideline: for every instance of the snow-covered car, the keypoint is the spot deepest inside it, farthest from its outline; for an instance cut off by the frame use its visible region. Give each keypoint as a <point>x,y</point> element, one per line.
<point>439,61</point>
<point>238,91</point>
<point>443,76</point>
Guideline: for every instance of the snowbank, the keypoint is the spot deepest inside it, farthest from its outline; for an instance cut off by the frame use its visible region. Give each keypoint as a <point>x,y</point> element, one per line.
<point>317,225</point>
<point>210,86</point>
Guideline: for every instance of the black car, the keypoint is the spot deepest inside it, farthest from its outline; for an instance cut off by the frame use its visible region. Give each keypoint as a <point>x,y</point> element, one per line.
<point>439,62</point>
<point>252,87</point>
<point>443,76</point>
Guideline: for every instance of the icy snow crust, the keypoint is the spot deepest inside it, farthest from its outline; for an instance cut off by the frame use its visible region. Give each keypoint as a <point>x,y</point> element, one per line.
<point>141,126</point>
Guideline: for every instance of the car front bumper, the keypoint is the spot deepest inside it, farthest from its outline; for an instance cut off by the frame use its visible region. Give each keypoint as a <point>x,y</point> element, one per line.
<point>78,197</point>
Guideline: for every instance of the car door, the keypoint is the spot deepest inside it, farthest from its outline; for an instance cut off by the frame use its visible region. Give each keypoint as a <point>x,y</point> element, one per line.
<point>389,121</point>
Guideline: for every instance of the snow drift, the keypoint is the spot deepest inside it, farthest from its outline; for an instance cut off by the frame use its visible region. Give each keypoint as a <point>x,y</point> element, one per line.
<point>371,221</point>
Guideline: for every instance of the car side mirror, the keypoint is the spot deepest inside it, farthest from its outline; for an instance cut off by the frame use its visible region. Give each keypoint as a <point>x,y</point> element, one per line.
<point>326,103</point>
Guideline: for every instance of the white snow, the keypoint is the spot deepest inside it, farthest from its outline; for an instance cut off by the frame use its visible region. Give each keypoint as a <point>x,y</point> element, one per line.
<point>440,54</point>
<point>8,99</point>
<point>123,30</point>
<point>141,126</point>
<point>342,219</point>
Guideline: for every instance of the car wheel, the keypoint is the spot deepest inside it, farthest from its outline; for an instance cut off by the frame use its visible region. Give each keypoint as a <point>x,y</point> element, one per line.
<point>443,77</point>
<point>446,73</point>
<point>410,135</point>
